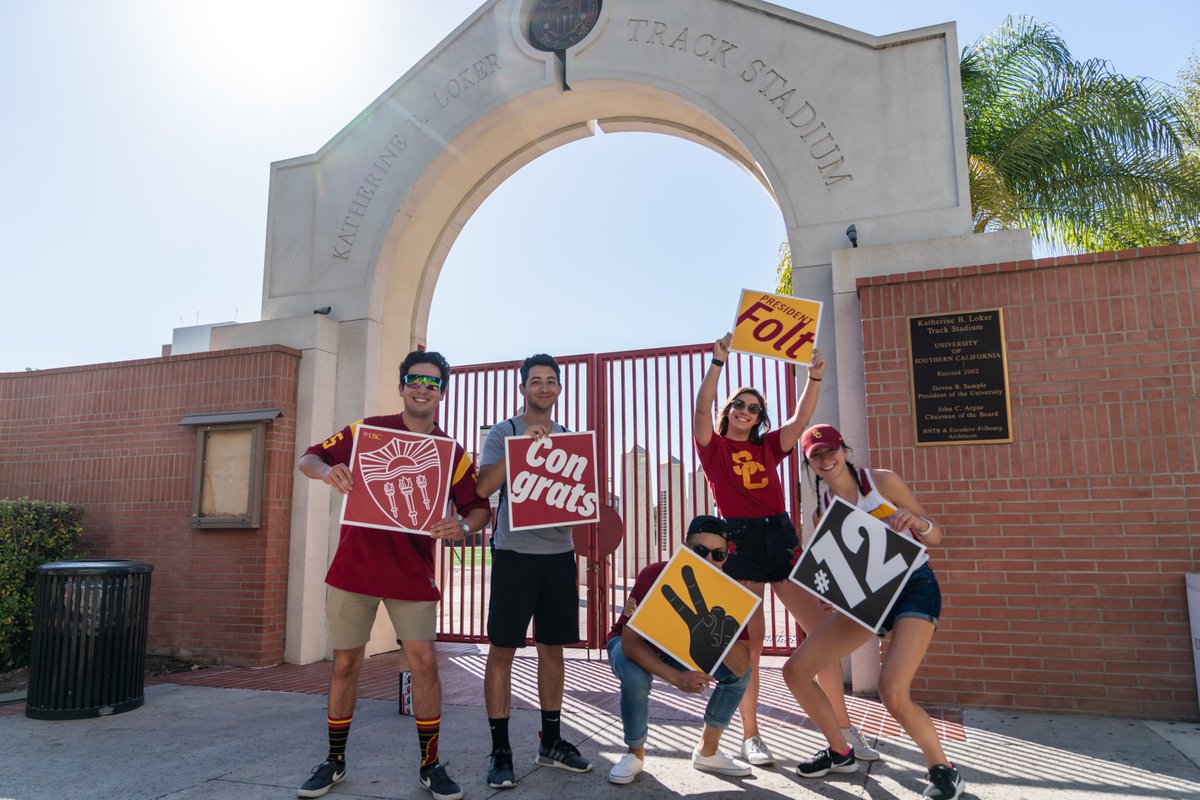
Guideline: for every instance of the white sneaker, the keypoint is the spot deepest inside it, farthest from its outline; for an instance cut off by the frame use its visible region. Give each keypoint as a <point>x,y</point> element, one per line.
<point>755,751</point>
<point>721,763</point>
<point>625,770</point>
<point>862,750</point>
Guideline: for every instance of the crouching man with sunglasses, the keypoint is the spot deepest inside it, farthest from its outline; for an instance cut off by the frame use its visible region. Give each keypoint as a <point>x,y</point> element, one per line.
<point>373,566</point>
<point>636,662</point>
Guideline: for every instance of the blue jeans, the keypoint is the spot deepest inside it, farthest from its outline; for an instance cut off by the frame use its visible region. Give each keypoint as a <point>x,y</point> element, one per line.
<point>635,694</point>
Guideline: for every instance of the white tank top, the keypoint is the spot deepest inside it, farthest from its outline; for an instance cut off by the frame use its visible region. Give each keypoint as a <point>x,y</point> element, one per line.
<point>871,501</point>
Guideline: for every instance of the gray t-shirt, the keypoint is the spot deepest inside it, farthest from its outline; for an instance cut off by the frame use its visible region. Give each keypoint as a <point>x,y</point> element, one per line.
<point>538,540</point>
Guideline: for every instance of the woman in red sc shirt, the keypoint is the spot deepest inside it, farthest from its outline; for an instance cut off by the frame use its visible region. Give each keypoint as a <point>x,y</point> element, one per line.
<point>741,459</point>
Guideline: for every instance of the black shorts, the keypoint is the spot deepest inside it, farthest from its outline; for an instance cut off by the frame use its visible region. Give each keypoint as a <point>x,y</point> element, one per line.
<point>543,587</point>
<point>764,548</point>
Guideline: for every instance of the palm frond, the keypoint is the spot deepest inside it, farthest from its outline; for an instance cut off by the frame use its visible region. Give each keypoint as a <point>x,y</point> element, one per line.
<point>1075,151</point>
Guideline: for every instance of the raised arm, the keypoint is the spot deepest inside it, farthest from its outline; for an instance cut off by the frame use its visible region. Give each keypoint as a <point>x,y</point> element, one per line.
<point>702,423</point>
<point>789,432</point>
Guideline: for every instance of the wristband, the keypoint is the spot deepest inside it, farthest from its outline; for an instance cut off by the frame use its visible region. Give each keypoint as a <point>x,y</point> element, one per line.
<point>811,378</point>
<point>716,362</point>
<point>928,522</point>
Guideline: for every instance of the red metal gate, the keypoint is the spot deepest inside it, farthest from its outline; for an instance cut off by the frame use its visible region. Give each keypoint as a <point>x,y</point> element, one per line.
<point>640,404</point>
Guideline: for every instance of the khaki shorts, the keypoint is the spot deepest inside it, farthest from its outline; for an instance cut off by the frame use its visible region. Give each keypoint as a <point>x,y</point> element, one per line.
<point>351,617</point>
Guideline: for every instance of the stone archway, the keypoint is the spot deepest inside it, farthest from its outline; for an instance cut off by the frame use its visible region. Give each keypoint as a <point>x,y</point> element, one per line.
<point>841,127</point>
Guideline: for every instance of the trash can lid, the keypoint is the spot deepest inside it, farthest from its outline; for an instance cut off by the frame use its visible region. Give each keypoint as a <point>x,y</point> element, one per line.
<point>96,566</point>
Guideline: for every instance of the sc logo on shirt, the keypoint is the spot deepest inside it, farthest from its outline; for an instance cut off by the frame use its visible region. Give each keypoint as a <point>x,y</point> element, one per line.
<point>745,466</point>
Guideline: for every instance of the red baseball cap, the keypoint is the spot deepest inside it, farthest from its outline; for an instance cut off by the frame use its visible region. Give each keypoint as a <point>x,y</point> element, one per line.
<point>819,436</point>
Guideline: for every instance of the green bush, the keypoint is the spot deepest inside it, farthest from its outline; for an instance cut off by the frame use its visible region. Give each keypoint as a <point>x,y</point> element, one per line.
<point>32,533</point>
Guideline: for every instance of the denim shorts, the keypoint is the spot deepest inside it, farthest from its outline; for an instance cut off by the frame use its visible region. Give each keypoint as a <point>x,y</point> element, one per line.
<point>921,598</point>
<point>764,548</point>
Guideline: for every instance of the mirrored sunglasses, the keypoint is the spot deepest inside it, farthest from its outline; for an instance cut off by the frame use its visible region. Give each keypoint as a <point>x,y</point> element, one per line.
<point>424,381</point>
<point>739,404</point>
<point>718,555</point>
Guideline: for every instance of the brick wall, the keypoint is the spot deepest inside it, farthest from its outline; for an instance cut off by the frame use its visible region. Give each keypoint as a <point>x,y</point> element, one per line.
<point>107,437</point>
<point>1065,553</point>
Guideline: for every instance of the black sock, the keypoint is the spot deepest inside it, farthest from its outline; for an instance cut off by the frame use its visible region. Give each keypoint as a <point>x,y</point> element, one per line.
<point>499,726</point>
<point>551,732</point>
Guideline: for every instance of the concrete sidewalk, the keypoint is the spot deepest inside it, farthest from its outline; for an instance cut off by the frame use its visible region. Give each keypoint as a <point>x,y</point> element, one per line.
<point>191,741</point>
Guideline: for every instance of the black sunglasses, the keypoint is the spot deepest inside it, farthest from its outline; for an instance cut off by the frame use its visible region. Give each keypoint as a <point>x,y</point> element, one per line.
<point>739,404</point>
<point>718,555</point>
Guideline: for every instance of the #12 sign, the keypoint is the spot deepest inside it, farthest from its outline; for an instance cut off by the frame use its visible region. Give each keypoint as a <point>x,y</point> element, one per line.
<point>551,481</point>
<point>694,612</point>
<point>857,564</point>
<point>401,480</point>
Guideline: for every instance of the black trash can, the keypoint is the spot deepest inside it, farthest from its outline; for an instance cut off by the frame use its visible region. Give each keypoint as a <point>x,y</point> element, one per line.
<point>89,639</point>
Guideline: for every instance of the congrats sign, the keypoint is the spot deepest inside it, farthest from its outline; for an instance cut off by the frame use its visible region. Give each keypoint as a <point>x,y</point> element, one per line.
<point>694,612</point>
<point>857,564</point>
<point>775,326</point>
<point>401,480</point>
<point>551,481</point>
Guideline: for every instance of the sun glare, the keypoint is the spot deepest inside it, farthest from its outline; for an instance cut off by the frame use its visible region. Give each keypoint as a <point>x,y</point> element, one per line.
<point>256,48</point>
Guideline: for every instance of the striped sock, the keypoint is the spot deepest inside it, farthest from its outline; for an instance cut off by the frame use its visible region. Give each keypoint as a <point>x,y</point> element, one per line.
<point>427,738</point>
<point>339,732</point>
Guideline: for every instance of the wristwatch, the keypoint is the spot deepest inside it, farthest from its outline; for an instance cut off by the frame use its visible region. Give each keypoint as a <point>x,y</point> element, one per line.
<point>462,523</point>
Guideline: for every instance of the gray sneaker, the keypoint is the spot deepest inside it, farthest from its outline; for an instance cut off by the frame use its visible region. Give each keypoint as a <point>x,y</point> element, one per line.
<point>500,769</point>
<point>435,781</point>
<point>324,776</point>
<point>564,755</point>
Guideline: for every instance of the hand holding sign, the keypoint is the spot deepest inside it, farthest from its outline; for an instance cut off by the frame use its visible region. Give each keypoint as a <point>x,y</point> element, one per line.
<point>711,630</point>
<point>721,347</point>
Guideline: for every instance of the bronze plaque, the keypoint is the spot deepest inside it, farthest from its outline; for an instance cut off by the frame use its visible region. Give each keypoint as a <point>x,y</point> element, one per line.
<point>559,24</point>
<point>958,371</point>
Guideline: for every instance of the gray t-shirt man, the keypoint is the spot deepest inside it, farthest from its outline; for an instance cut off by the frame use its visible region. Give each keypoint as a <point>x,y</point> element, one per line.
<point>537,540</point>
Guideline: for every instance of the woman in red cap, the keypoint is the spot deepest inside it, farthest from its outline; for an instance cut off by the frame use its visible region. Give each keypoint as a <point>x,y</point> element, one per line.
<point>741,459</point>
<point>912,619</point>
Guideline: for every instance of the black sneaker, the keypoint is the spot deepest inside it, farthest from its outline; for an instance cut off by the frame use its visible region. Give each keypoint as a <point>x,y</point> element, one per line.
<point>944,782</point>
<point>500,769</point>
<point>825,762</point>
<point>435,779</point>
<point>324,776</point>
<point>563,755</point>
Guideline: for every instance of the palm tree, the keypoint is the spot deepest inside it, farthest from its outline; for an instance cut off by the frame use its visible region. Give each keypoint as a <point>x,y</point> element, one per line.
<point>1084,157</point>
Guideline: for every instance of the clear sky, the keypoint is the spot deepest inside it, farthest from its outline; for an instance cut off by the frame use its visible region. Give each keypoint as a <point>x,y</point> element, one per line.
<point>137,137</point>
